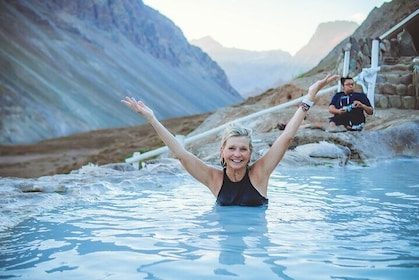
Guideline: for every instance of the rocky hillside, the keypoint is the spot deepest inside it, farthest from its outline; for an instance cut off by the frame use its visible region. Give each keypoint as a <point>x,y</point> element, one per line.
<point>325,38</point>
<point>67,64</point>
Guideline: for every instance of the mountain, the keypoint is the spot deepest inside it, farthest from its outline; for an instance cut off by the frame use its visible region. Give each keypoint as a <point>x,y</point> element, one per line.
<point>252,72</point>
<point>325,38</point>
<point>67,64</point>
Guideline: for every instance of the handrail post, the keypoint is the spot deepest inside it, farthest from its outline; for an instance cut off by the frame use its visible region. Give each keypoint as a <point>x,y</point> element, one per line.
<point>346,59</point>
<point>136,164</point>
<point>375,53</point>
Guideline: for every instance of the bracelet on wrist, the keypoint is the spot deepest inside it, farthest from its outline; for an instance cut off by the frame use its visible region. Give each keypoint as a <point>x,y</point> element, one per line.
<point>306,104</point>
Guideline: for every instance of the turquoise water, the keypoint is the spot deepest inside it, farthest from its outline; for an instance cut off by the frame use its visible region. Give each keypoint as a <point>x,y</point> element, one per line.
<point>347,222</point>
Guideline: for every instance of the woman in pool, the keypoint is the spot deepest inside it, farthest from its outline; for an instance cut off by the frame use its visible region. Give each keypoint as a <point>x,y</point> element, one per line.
<point>239,183</point>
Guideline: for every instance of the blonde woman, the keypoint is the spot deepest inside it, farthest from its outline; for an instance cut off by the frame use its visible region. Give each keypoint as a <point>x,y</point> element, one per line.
<point>238,183</point>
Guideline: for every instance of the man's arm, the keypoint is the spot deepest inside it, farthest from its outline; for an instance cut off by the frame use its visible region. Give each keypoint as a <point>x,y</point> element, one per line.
<point>333,110</point>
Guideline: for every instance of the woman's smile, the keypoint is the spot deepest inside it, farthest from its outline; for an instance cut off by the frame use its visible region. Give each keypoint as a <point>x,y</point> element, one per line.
<point>237,150</point>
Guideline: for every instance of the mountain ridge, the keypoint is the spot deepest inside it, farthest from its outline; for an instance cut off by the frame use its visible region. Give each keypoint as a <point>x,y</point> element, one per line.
<point>71,62</point>
<point>332,33</point>
<point>252,72</point>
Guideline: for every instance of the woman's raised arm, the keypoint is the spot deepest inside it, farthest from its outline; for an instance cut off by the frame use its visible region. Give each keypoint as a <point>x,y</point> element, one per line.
<point>266,164</point>
<point>196,167</point>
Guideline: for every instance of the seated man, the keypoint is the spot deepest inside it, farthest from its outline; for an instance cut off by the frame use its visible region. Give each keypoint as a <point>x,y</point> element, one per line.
<point>348,108</point>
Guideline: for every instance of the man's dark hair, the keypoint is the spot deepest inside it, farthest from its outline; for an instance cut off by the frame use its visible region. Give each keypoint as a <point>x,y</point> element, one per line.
<point>343,79</point>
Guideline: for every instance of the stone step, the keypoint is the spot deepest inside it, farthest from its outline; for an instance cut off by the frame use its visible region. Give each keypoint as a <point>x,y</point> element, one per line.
<point>406,59</point>
<point>395,101</point>
<point>395,86</point>
<point>395,89</point>
<point>397,68</point>
<point>405,77</point>
<point>389,60</point>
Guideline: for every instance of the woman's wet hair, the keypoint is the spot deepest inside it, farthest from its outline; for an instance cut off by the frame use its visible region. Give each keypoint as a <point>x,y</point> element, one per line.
<point>235,130</point>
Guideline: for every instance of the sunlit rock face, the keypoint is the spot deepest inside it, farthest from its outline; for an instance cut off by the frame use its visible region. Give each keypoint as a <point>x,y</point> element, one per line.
<point>67,64</point>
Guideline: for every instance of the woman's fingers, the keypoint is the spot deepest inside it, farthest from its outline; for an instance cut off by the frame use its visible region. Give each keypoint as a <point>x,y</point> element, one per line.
<point>127,100</point>
<point>132,103</point>
<point>330,78</point>
<point>314,88</point>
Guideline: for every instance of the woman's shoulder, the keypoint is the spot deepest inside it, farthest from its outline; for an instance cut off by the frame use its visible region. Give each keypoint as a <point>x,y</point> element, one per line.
<point>217,174</point>
<point>255,170</point>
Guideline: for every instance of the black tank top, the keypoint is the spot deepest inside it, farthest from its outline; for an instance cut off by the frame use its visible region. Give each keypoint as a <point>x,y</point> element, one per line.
<point>239,193</point>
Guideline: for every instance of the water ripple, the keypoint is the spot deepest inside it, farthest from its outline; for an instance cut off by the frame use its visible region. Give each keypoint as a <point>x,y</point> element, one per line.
<point>321,223</point>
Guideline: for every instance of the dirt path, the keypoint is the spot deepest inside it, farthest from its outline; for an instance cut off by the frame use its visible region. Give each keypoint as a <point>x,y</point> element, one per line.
<point>61,155</point>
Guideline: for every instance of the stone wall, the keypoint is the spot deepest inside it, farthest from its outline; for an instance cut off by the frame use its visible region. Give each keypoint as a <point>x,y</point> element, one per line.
<point>397,84</point>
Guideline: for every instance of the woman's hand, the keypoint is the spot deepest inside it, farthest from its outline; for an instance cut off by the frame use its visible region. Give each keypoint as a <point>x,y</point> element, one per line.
<point>138,107</point>
<point>314,88</point>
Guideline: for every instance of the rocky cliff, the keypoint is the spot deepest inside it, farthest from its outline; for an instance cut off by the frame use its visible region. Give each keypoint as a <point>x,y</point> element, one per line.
<point>66,65</point>
<point>325,38</point>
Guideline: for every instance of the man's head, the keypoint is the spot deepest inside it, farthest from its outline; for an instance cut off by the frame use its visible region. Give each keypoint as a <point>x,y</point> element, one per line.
<point>347,84</point>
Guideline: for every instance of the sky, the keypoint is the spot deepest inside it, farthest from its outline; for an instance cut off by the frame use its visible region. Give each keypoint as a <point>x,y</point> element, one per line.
<point>260,25</point>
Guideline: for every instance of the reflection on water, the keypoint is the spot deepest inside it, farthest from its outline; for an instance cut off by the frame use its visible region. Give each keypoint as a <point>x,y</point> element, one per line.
<point>321,223</point>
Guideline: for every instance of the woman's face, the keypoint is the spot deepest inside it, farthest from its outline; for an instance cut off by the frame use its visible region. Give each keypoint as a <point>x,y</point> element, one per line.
<point>236,152</point>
